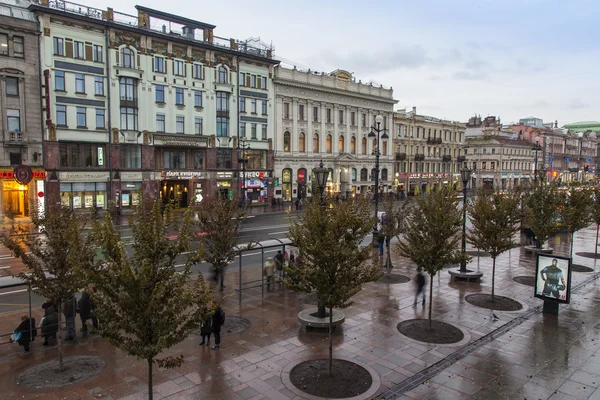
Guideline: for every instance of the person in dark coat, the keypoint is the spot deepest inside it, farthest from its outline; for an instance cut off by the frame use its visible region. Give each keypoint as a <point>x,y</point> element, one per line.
<point>27,330</point>
<point>49,303</point>
<point>420,282</point>
<point>218,319</point>
<point>85,308</point>
<point>49,325</point>
<point>70,311</point>
<point>205,331</point>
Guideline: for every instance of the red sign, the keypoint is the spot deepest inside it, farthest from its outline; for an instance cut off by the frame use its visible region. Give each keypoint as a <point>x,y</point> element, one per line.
<point>40,194</point>
<point>40,174</point>
<point>301,175</point>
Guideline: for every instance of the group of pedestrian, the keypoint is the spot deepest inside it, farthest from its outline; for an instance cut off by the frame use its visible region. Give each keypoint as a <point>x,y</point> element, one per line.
<point>273,265</point>
<point>212,326</point>
<point>26,332</point>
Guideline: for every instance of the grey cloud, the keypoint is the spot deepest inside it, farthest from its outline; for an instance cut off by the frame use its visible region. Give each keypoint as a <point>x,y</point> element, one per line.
<point>540,103</point>
<point>577,104</point>
<point>469,76</point>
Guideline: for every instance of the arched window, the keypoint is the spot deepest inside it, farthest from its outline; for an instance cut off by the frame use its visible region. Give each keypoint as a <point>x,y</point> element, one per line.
<point>363,175</point>
<point>127,57</point>
<point>353,174</point>
<point>384,148</point>
<point>364,148</point>
<point>341,144</point>
<point>301,142</point>
<point>374,146</point>
<point>353,147</point>
<point>316,143</point>
<point>222,74</point>
<point>286,142</point>
<point>328,144</point>
<point>384,174</point>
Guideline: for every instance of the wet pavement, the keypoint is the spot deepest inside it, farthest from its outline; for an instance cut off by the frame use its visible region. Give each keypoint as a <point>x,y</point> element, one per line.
<point>540,356</point>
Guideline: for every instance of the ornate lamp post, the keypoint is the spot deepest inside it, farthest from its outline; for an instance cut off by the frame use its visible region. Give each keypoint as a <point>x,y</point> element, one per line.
<point>321,175</point>
<point>537,148</point>
<point>465,175</point>
<point>376,133</point>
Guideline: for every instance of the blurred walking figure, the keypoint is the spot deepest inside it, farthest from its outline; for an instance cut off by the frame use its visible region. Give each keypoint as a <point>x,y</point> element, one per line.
<point>49,325</point>
<point>70,311</point>
<point>269,272</point>
<point>26,332</point>
<point>218,319</point>
<point>420,282</point>
<point>206,330</point>
<point>85,310</point>
<point>279,260</point>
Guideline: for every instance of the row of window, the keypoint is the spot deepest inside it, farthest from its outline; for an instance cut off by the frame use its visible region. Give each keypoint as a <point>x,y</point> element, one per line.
<point>179,96</point>
<point>316,116</point>
<point>13,46</point>
<point>403,131</point>
<point>81,117</point>
<point>329,144</point>
<point>80,50</point>
<point>253,131</point>
<point>364,174</point>
<point>179,124</point>
<point>437,151</point>
<point>252,81</point>
<point>505,164</point>
<point>179,67</point>
<point>517,152</point>
<point>253,105</point>
<point>426,168</point>
<point>60,83</point>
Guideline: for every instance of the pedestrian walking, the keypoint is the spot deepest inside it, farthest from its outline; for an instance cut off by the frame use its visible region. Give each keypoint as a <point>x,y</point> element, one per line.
<point>85,308</point>
<point>206,330</point>
<point>420,282</point>
<point>297,202</point>
<point>292,258</point>
<point>49,325</point>
<point>269,272</point>
<point>279,260</point>
<point>70,311</point>
<point>26,332</point>
<point>218,319</point>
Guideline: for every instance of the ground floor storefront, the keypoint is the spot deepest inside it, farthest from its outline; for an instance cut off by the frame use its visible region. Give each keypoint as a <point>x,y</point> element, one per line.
<point>414,184</point>
<point>22,190</point>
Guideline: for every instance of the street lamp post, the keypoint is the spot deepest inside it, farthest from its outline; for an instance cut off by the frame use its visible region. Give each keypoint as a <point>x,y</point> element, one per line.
<point>376,132</point>
<point>321,174</point>
<point>243,146</point>
<point>537,148</point>
<point>465,175</point>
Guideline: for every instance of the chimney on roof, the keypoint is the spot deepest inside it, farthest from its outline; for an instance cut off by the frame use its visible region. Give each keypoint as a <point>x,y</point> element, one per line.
<point>556,124</point>
<point>414,110</point>
<point>164,29</point>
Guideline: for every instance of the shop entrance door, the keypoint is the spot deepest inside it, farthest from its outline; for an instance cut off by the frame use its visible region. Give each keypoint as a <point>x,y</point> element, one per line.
<point>16,202</point>
<point>176,191</point>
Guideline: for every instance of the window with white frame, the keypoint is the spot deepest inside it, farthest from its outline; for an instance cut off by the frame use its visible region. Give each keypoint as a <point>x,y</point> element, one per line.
<point>179,96</point>
<point>180,124</point>
<point>160,122</point>
<point>13,118</point>
<point>159,64</point>
<point>197,98</point>
<point>78,50</point>
<point>127,58</point>
<point>198,126</point>
<point>81,117</point>
<point>58,46</point>
<point>178,68</point>
<point>160,93</point>
<point>198,72</point>
<point>222,75</point>
<point>97,53</point>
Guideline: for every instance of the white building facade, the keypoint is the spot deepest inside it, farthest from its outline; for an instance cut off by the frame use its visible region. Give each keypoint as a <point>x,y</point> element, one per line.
<point>328,117</point>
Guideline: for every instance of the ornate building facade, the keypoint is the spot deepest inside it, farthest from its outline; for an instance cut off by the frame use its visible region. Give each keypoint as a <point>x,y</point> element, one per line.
<point>152,102</point>
<point>21,162</point>
<point>328,117</point>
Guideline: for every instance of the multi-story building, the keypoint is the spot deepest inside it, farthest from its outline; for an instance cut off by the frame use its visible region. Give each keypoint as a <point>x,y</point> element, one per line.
<point>152,102</point>
<point>328,117</point>
<point>428,152</point>
<point>21,173</point>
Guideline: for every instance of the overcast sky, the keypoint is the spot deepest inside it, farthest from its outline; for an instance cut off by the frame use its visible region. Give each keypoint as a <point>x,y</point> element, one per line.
<point>449,58</point>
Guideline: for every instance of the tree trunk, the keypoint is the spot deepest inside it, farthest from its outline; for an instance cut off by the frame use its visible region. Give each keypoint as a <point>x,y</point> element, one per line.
<point>596,248</point>
<point>430,298</point>
<point>388,263</point>
<point>61,366</point>
<point>149,379</point>
<point>330,342</point>
<point>493,276</point>
<point>572,238</point>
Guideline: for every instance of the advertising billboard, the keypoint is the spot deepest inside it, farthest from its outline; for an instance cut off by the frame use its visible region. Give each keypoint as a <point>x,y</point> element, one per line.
<point>553,278</point>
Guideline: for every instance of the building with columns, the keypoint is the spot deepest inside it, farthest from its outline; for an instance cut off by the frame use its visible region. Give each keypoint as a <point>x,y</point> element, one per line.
<point>152,103</point>
<point>428,152</point>
<point>21,172</point>
<point>327,117</point>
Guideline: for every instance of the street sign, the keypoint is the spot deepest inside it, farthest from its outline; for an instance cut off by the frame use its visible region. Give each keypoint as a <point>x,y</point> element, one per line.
<point>567,159</point>
<point>551,159</point>
<point>588,159</point>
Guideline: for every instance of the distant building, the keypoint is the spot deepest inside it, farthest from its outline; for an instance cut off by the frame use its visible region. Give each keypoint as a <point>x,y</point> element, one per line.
<point>593,126</point>
<point>532,121</point>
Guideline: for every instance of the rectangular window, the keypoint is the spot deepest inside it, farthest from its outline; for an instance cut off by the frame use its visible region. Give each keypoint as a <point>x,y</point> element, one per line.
<point>128,89</point>
<point>160,122</point>
<point>78,50</point>
<point>59,46</point>
<point>160,93</point>
<point>364,120</point>
<point>178,68</point>
<point>341,116</point>
<point>129,119</point>
<point>264,107</point>
<point>59,80</point>
<point>81,123</point>
<point>179,124</point>
<point>315,114</point>
<point>264,132</point>
<point>78,155</point>
<point>222,74</point>
<point>242,129</point>
<point>301,112</point>
<point>14,120</point>
<point>197,71</point>
<point>131,156</point>
<point>197,98</point>
<point>242,79</point>
<point>263,80</point>
<point>353,118</point>
<point>198,160</point>
<point>99,85</point>
<point>222,126</point>
<point>3,44</point>
<point>224,158</point>
<point>253,131</point>
<point>286,110</point>
<point>253,81</point>
<point>79,83</point>
<point>61,115</point>
<point>100,124</point>
<point>253,106</point>
<point>328,118</point>
<point>18,47</point>
<point>174,159</point>
<point>159,64</point>
<point>198,125</point>
<point>242,104</point>
<point>97,53</point>
<point>179,96</point>
<point>222,101</point>
<point>12,86</point>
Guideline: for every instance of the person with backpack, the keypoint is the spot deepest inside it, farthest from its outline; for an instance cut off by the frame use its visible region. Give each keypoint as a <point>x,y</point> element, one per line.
<point>26,332</point>
<point>420,282</point>
<point>218,319</point>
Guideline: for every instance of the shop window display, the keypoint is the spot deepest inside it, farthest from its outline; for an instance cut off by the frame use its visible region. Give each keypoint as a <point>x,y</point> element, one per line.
<point>83,195</point>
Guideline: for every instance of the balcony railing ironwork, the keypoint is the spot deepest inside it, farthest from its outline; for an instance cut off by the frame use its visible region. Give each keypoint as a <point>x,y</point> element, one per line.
<point>400,156</point>
<point>419,157</point>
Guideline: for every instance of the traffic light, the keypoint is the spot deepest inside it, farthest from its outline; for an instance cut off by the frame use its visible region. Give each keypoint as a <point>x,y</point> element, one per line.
<point>275,181</point>
<point>586,168</point>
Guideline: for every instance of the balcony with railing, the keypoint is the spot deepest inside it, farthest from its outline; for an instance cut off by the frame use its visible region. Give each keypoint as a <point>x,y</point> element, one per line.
<point>400,156</point>
<point>16,136</point>
<point>129,101</point>
<point>434,140</point>
<point>446,158</point>
<point>419,157</point>
<point>460,159</point>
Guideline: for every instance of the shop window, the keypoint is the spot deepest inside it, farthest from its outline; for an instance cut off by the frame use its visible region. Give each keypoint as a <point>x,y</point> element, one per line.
<point>174,159</point>
<point>286,142</point>
<point>328,144</point>
<point>363,175</point>
<point>82,155</point>
<point>301,142</point>
<point>315,143</point>
<point>131,156</point>
<point>83,195</point>
<point>256,159</point>
<point>224,158</point>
